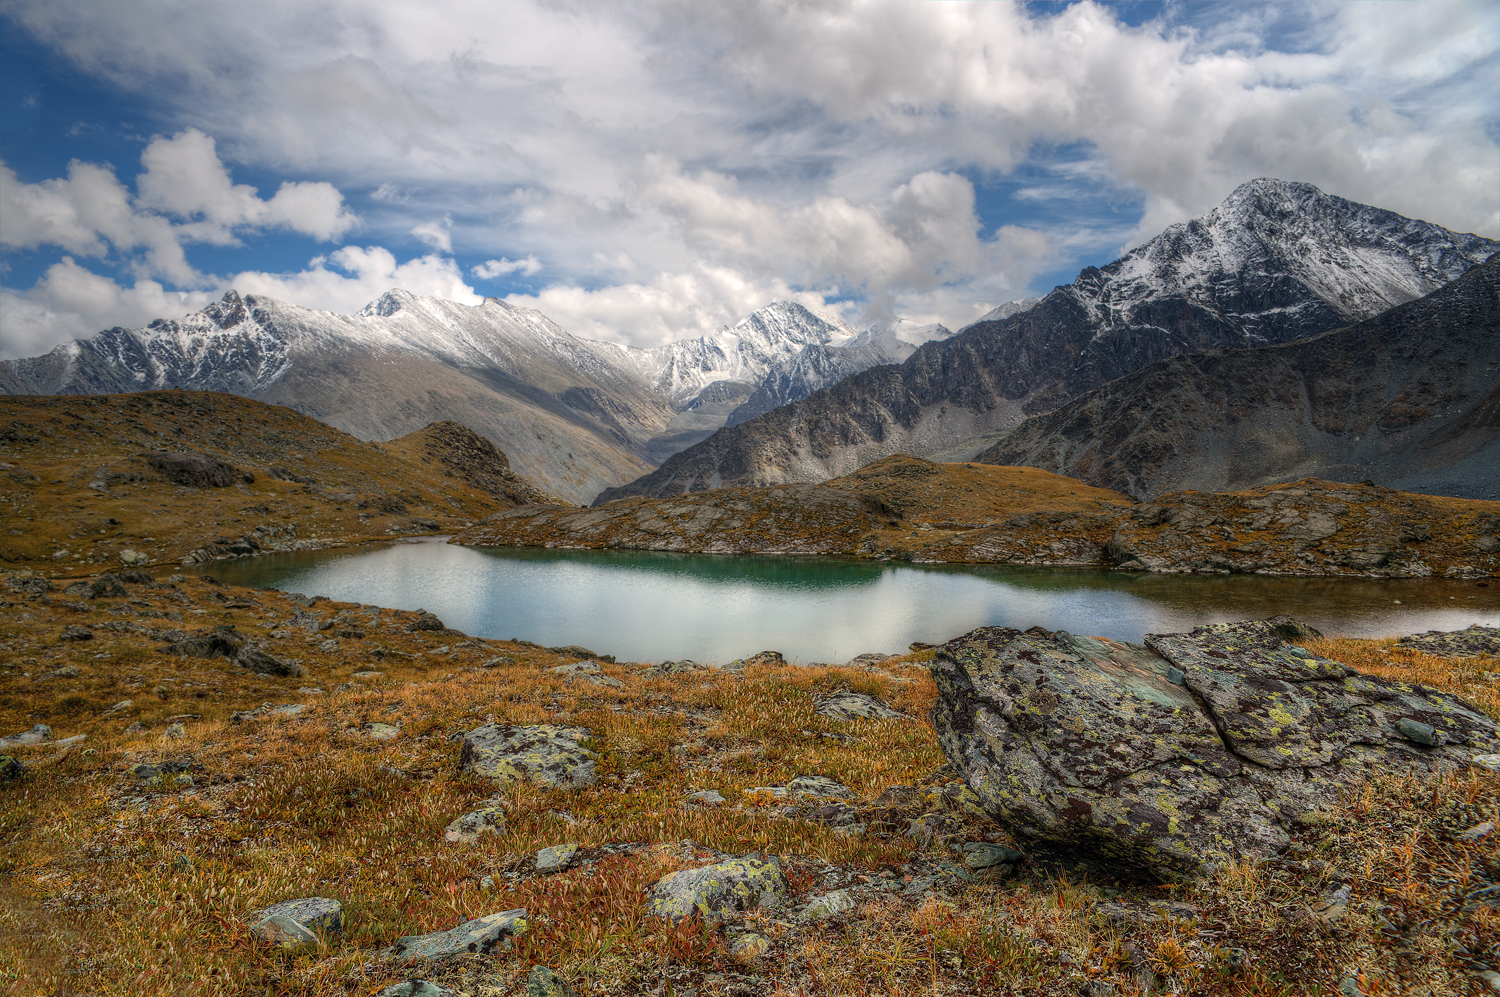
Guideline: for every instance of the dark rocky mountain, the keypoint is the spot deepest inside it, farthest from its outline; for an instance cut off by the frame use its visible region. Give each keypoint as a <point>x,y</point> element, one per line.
<point>1409,399</point>
<point>1275,262</point>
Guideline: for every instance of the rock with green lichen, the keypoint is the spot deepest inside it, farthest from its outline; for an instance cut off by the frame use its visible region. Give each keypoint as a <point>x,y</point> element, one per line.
<point>481,936</point>
<point>544,754</point>
<point>544,982</point>
<point>1159,760</point>
<point>714,893</point>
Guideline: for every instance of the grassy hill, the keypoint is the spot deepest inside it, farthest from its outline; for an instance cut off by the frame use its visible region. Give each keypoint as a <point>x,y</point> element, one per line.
<point>83,479</point>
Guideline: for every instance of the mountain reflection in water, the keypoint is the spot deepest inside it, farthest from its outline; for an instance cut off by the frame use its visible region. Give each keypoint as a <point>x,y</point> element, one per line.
<point>647,606</point>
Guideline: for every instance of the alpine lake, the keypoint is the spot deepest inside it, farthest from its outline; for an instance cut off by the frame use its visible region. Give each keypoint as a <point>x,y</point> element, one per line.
<point>647,606</point>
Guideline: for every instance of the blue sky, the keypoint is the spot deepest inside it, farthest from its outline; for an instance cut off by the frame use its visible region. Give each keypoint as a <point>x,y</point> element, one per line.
<point>647,171</point>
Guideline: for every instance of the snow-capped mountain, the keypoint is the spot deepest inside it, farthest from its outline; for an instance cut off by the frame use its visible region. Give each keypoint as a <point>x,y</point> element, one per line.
<point>574,415</point>
<point>1276,262</point>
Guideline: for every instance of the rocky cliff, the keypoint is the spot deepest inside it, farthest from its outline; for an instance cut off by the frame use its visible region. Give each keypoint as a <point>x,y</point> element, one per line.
<point>1410,398</point>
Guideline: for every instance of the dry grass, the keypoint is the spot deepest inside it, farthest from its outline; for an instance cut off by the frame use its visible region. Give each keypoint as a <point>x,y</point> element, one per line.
<point>108,886</point>
<point>51,448</point>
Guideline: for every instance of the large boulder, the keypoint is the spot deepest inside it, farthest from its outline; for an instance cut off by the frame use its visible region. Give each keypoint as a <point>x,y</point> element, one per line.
<point>716,893</point>
<point>1158,761</point>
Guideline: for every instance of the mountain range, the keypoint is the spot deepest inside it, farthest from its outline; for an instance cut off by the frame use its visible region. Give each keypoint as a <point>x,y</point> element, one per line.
<point>574,415</point>
<point>1276,262</point>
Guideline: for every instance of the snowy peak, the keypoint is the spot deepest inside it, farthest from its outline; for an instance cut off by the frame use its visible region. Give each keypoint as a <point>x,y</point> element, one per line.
<point>1277,257</point>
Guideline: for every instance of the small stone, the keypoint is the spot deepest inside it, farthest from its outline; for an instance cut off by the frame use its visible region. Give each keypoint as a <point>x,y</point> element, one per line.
<point>65,672</point>
<point>134,728</point>
<point>487,883</point>
<point>1419,733</point>
<point>556,858</point>
<point>329,646</point>
<point>749,949</point>
<point>417,988</point>
<point>1491,762</point>
<point>471,826</point>
<point>367,675</point>
<point>854,706</point>
<point>174,731</point>
<point>828,905</point>
<point>1490,979</point>
<point>979,855</point>
<point>36,735</point>
<point>1350,987</point>
<point>119,707</point>
<point>134,557</point>
<point>715,892</point>
<point>705,798</point>
<point>497,661</point>
<point>382,732</point>
<point>543,982</point>
<point>1476,832</point>
<point>294,923</point>
<point>481,936</point>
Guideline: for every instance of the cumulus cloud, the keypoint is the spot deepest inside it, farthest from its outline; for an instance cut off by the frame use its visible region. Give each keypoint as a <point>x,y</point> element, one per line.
<point>71,301</point>
<point>678,164</point>
<point>352,277</point>
<point>490,269</point>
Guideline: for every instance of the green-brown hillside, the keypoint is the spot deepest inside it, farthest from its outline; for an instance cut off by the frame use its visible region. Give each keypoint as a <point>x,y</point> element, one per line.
<point>85,478</point>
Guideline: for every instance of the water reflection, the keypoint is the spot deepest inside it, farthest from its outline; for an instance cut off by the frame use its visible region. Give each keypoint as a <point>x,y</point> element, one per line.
<point>650,606</point>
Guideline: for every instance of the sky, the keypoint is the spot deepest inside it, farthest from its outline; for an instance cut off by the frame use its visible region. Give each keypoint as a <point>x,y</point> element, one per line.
<point>644,172</point>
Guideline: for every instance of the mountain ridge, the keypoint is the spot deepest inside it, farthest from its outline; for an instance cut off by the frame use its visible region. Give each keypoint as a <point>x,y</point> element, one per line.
<point>1277,261</point>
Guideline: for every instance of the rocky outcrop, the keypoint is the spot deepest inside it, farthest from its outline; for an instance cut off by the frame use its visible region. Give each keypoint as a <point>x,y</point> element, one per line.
<point>1472,642</point>
<point>1162,760</point>
<point>717,892</point>
<point>1410,398</point>
<point>193,470</point>
<point>463,454</point>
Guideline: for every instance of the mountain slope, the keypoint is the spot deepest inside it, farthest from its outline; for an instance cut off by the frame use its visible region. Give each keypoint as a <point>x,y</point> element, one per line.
<point>1410,398</point>
<point>1275,262</point>
<point>575,415</point>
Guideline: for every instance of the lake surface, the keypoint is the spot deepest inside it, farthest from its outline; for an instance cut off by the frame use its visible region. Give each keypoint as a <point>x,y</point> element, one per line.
<point>644,606</point>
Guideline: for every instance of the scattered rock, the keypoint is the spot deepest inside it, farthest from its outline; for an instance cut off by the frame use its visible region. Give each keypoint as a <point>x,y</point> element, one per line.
<point>119,707</point>
<point>36,735</point>
<point>65,672</point>
<point>770,658</point>
<point>868,660</point>
<point>716,892</point>
<point>481,936</point>
<point>749,949</point>
<point>587,671</point>
<point>174,731</point>
<point>227,642</point>
<point>556,858</point>
<point>134,557</point>
<point>543,982</point>
<point>473,825</point>
<point>545,754</point>
<point>294,923</point>
<point>267,710</point>
<point>705,798</point>
<point>819,787</point>
<point>194,470</point>
<point>1491,762</point>
<point>417,988</point>
<point>854,706</point>
<point>982,855</point>
<point>382,732</point>
<point>1089,753</point>
<point>1470,643</point>
<point>76,633</point>
<point>823,906</point>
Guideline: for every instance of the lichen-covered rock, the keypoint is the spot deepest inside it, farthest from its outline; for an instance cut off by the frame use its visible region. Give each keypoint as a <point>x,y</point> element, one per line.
<point>471,826</point>
<point>555,858</point>
<point>38,734</point>
<point>294,923</point>
<point>1470,643</point>
<point>543,982</point>
<point>417,988</point>
<point>854,706</point>
<point>481,936</point>
<point>824,906</point>
<point>716,892</point>
<point>545,754</point>
<point>1158,760</point>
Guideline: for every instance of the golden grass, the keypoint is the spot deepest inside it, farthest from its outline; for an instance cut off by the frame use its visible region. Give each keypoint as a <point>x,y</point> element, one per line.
<point>108,886</point>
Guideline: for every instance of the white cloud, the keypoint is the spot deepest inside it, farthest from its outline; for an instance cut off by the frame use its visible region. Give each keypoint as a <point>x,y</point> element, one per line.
<point>437,235</point>
<point>350,278</point>
<point>71,302</point>
<point>702,159</point>
<point>490,269</point>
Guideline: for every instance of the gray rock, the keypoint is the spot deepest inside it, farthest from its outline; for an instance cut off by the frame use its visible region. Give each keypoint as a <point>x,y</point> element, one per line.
<point>257,659</point>
<point>175,731</point>
<point>1417,732</point>
<point>134,557</point>
<point>119,707</point>
<point>1088,755</point>
<point>481,936</point>
<point>705,798</point>
<point>555,858</point>
<point>471,826</point>
<point>294,923</point>
<point>824,906</point>
<point>75,633</point>
<point>587,671</point>
<point>382,732</point>
<point>545,754</point>
<point>981,855</point>
<point>36,735</point>
<point>819,787</point>
<point>1470,643</point>
<point>749,949</point>
<point>1491,762</point>
<point>717,892</point>
<point>543,982</point>
<point>854,706</point>
<point>417,988</point>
